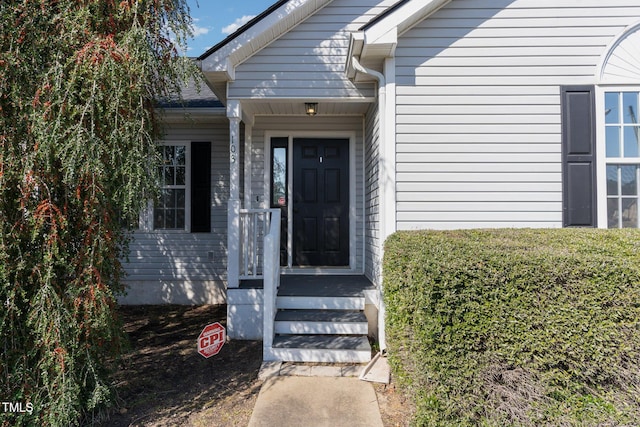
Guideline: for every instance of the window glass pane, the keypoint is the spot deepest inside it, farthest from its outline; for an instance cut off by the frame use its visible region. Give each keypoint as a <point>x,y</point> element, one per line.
<point>613,141</point>
<point>173,199</point>
<point>611,110</point>
<point>612,180</point>
<point>169,177</point>
<point>180,199</point>
<point>612,213</point>
<point>631,141</point>
<point>158,218</point>
<point>630,107</point>
<point>279,178</point>
<point>181,155</point>
<point>181,176</point>
<point>629,179</point>
<point>165,197</point>
<point>168,154</point>
<point>629,213</point>
<point>170,218</point>
<point>180,218</point>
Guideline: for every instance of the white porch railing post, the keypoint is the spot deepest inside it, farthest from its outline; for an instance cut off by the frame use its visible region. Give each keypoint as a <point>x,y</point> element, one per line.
<point>254,244</point>
<point>233,244</point>
<point>234,113</point>
<point>271,271</point>
<point>244,245</point>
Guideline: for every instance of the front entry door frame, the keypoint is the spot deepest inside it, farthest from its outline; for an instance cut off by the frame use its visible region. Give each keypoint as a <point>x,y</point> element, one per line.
<point>351,136</point>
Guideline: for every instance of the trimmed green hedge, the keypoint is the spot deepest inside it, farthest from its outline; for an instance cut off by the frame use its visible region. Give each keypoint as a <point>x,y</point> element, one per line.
<point>516,327</point>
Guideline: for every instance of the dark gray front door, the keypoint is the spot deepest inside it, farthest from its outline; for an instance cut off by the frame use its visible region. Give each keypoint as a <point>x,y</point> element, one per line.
<point>321,202</point>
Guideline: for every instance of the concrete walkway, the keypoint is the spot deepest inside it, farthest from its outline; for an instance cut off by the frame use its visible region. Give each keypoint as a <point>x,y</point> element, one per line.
<point>316,401</point>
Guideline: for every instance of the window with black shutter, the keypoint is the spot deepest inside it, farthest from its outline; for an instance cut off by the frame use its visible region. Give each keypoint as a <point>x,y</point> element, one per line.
<point>185,188</point>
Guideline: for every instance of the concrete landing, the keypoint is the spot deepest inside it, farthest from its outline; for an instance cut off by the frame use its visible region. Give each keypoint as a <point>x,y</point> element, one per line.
<point>316,402</point>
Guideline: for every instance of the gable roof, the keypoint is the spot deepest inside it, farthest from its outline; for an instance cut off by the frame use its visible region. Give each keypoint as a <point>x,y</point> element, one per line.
<point>373,41</point>
<point>402,16</point>
<point>219,62</point>
<point>383,15</point>
<point>192,95</point>
<point>242,29</point>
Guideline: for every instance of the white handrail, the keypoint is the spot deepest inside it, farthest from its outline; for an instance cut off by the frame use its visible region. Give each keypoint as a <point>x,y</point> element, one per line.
<point>271,280</point>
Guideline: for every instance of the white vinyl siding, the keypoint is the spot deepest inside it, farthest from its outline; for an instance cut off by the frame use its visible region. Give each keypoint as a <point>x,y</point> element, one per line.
<point>372,194</point>
<point>179,266</point>
<point>478,108</point>
<point>309,60</point>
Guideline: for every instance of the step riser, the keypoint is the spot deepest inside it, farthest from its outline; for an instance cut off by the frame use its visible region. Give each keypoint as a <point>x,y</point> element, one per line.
<point>320,355</point>
<point>319,303</point>
<point>294,327</point>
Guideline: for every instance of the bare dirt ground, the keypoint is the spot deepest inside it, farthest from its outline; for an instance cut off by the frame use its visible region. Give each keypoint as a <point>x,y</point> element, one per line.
<point>163,381</point>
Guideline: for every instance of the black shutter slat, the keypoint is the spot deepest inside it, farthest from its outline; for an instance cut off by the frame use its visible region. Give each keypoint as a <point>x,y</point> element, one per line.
<point>579,202</point>
<point>201,187</point>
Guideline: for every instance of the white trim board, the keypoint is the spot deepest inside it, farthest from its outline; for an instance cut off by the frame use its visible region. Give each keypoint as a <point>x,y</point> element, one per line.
<point>353,220</point>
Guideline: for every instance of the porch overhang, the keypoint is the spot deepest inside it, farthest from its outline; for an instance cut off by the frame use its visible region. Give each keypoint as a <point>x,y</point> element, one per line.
<point>295,107</point>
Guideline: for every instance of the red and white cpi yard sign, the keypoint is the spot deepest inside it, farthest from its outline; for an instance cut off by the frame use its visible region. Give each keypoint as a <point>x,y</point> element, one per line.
<point>211,340</point>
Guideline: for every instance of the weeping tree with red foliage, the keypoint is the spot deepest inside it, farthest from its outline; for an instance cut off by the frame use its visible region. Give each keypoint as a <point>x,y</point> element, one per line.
<point>77,160</point>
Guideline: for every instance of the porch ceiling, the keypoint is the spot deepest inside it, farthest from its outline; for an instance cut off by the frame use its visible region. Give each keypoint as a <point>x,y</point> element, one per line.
<point>296,107</point>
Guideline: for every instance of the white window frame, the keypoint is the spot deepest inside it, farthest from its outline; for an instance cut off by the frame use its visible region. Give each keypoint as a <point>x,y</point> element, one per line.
<point>601,154</point>
<point>147,218</point>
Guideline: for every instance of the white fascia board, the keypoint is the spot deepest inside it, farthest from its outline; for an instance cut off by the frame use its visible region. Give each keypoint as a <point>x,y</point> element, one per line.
<point>356,43</point>
<point>224,60</point>
<point>383,47</point>
<point>361,49</point>
<point>223,71</point>
<point>402,20</point>
<point>388,38</point>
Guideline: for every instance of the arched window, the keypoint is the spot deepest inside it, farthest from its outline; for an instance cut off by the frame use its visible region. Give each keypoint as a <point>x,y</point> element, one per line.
<point>618,138</point>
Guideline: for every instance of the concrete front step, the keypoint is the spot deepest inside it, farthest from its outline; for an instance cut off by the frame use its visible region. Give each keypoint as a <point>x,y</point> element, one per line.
<point>339,322</point>
<point>321,348</point>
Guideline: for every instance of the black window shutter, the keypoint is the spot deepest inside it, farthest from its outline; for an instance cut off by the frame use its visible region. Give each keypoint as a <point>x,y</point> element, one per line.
<point>201,187</point>
<point>578,157</point>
